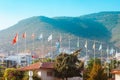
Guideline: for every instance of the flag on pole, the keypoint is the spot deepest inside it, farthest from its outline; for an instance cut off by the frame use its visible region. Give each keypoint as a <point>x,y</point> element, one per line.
<point>86,44</point>
<point>15,39</point>
<point>40,37</point>
<point>50,38</point>
<point>24,35</point>
<point>94,45</point>
<point>58,44</point>
<point>111,51</point>
<point>100,47</point>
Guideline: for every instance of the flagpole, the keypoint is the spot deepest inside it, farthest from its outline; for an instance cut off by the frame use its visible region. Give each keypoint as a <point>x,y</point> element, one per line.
<point>17,47</point>
<point>60,41</point>
<point>86,49</point>
<point>17,42</point>
<point>86,57</point>
<point>85,62</point>
<point>94,51</point>
<point>17,50</point>
<point>42,47</point>
<point>116,58</point>
<point>51,49</point>
<point>33,41</point>
<point>86,53</point>
<point>107,62</point>
<point>69,43</point>
<point>112,57</point>
<point>107,51</point>
<point>25,43</point>
<point>33,36</point>
<point>33,44</point>
<point>101,53</point>
<point>78,42</point>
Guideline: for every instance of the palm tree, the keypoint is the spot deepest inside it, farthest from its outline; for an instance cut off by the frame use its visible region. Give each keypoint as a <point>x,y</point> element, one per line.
<point>97,73</point>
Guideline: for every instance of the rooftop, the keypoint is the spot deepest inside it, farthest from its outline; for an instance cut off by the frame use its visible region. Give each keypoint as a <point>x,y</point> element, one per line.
<point>38,65</point>
<point>116,71</point>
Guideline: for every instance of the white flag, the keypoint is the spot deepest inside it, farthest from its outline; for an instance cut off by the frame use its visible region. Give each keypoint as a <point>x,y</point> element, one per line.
<point>100,47</point>
<point>50,38</point>
<point>86,44</point>
<point>40,37</point>
<point>112,51</point>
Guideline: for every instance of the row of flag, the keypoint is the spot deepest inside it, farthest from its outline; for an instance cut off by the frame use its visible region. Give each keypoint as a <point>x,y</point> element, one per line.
<point>15,39</point>
<point>111,51</point>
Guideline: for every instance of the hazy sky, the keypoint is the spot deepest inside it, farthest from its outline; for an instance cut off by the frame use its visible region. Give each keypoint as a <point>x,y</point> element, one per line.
<point>12,11</point>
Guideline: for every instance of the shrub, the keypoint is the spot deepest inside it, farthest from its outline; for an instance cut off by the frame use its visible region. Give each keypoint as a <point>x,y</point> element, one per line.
<point>11,74</point>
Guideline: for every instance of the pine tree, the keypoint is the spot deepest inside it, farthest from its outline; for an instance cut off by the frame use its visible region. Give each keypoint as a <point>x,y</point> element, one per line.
<point>68,65</point>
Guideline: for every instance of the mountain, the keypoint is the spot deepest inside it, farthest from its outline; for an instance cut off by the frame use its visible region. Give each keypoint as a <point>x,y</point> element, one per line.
<point>111,20</point>
<point>103,26</point>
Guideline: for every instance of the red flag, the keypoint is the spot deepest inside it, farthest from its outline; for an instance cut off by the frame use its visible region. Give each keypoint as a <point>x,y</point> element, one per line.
<point>24,35</point>
<point>15,39</point>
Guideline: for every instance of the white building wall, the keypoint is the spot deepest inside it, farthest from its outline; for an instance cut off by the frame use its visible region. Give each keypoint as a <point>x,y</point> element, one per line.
<point>75,78</point>
<point>44,75</point>
<point>117,76</point>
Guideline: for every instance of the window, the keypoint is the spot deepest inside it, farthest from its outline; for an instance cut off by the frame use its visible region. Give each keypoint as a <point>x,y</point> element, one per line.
<point>49,73</point>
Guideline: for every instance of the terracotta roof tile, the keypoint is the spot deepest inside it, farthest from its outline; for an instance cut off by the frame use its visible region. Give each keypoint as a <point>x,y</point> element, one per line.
<point>38,65</point>
<point>115,71</point>
<point>47,65</point>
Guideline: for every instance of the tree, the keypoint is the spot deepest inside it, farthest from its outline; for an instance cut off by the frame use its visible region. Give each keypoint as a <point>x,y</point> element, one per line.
<point>11,74</point>
<point>68,65</point>
<point>97,73</point>
<point>92,61</point>
<point>89,68</point>
<point>2,69</point>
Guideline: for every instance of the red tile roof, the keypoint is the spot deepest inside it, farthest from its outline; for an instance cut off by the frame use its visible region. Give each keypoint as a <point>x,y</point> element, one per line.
<point>115,71</point>
<point>38,65</point>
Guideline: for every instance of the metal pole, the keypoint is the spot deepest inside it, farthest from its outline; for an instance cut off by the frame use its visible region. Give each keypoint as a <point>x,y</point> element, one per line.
<point>69,43</point>
<point>101,54</point>
<point>51,49</point>
<point>86,50</point>
<point>107,62</point>
<point>94,51</point>
<point>25,44</point>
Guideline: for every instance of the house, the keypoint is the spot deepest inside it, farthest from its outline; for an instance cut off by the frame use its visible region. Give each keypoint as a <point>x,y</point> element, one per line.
<point>117,56</point>
<point>116,74</point>
<point>45,70</point>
